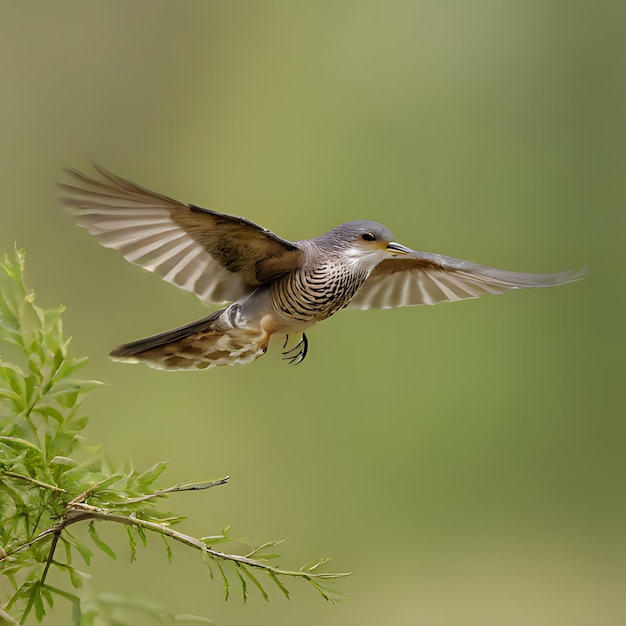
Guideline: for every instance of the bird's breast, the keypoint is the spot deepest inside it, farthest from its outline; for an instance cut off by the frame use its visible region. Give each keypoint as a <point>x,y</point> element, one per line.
<point>313,294</point>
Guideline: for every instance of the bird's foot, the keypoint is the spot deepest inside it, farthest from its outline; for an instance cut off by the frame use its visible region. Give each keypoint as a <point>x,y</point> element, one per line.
<point>298,353</point>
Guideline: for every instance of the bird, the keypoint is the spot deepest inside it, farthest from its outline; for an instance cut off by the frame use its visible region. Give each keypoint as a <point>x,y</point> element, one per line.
<point>266,285</point>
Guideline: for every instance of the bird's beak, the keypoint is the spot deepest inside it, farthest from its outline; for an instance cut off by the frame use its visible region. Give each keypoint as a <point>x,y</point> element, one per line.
<point>397,248</point>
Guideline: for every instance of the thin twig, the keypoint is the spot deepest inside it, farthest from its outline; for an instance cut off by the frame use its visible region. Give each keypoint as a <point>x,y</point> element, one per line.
<point>7,618</point>
<point>85,494</point>
<point>53,547</point>
<point>58,527</point>
<point>34,481</point>
<point>174,489</point>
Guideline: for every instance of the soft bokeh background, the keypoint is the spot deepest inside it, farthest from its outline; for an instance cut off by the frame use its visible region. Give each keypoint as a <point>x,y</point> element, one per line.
<point>466,461</point>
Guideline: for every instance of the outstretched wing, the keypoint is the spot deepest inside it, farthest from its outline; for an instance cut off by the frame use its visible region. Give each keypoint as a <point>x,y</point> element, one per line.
<point>423,278</point>
<point>218,257</point>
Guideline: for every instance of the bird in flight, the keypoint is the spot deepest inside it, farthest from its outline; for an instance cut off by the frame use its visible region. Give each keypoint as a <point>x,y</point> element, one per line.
<point>270,286</point>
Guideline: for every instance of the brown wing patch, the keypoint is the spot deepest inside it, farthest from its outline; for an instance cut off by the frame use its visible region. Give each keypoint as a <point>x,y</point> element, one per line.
<point>404,264</point>
<point>238,244</point>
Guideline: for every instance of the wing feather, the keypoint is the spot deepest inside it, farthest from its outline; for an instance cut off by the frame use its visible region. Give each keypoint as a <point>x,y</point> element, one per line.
<point>218,257</point>
<point>419,278</point>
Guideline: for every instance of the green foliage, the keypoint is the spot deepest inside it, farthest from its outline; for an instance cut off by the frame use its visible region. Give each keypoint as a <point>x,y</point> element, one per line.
<point>50,480</point>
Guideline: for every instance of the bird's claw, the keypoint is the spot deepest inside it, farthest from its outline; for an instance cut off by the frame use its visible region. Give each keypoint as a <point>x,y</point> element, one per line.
<point>298,353</point>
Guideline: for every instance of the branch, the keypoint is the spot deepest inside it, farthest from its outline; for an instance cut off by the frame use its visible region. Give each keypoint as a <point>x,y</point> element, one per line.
<point>86,511</point>
<point>7,618</point>
<point>34,481</point>
<point>80,512</point>
<point>178,487</point>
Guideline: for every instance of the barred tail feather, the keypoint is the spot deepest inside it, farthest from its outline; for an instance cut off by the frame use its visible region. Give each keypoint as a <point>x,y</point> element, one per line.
<point>209,342</point>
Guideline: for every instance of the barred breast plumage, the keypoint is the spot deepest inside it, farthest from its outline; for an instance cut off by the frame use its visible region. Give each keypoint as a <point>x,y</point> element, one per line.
<point>318,290</point>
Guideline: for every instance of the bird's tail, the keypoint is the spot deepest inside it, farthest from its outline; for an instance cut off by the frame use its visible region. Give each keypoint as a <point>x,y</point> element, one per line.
<point>209,342</point>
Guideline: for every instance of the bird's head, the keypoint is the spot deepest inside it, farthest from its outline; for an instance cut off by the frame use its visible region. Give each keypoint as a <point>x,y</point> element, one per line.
<point>363,240</point>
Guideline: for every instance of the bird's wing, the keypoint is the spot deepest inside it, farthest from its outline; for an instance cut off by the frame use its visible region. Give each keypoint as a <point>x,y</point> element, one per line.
<point>423,278</point>
<point>218,257</point>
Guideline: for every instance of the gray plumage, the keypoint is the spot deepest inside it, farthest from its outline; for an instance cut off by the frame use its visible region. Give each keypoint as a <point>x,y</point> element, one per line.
<point>274,287</point>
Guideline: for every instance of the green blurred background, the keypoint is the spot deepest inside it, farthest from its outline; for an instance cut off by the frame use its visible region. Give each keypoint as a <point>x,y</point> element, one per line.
<point>466,461</point>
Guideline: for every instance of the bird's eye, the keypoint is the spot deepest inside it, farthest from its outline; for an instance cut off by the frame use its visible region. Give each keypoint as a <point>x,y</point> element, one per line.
<point>368,237</point>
